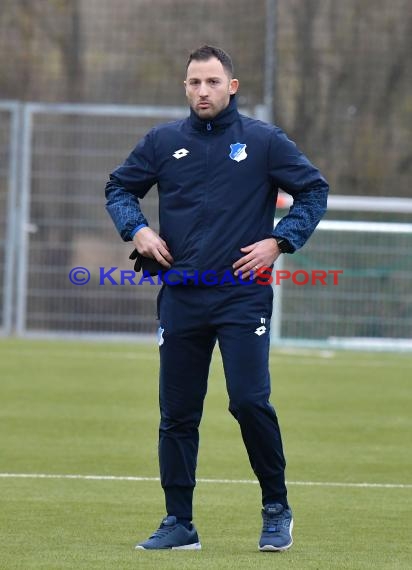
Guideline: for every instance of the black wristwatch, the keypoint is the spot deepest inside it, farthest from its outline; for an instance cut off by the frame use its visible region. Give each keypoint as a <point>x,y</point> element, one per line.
<point>283,245</point>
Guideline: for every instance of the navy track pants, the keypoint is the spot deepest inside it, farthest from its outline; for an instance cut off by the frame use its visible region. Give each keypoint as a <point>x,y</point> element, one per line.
<point>191,320</point>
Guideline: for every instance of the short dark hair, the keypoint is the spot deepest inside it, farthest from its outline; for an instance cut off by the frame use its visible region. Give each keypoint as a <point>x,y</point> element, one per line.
<point>207,52</point>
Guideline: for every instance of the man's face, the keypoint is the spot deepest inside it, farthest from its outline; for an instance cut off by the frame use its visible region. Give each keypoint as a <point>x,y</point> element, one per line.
<point>208,87</point>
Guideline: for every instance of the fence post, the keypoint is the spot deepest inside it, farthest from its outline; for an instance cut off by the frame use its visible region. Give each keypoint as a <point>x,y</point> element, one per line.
<point>270,58</point>
<point>276,322</point>
<point>23,210</point>
<point>11,217</point>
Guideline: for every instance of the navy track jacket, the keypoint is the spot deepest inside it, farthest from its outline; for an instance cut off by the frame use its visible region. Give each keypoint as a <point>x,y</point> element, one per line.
<point>217,182</point>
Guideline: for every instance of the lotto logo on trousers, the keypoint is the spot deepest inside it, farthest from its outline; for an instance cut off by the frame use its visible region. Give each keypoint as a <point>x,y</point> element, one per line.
<point>262,329</point>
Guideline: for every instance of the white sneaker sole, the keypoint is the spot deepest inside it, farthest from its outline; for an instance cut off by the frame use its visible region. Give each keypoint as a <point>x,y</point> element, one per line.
<point>194,546</point>
<point>270,548</point>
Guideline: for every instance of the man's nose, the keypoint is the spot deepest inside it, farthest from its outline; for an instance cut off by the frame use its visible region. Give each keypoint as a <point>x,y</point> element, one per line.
<point>203,91</point>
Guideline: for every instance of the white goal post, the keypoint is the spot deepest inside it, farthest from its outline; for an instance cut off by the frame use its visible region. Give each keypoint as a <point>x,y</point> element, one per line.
<point>371,305</point>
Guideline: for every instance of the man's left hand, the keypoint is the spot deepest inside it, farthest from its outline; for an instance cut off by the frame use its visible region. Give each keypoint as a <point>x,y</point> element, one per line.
<point>260,254</point>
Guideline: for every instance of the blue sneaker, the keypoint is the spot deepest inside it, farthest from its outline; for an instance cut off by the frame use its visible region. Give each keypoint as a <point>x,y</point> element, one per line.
<point>277,528</point>
<point>171,535</point>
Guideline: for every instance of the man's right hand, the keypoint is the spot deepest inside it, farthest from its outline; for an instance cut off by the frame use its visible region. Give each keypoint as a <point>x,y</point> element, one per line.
<point>150,244</point>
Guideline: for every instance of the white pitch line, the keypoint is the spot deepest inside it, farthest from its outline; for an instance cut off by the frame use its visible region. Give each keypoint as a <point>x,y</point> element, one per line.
<point>202,480</point>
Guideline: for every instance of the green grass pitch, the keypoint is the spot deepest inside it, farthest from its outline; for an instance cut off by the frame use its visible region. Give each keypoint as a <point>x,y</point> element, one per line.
<point>91,409</point>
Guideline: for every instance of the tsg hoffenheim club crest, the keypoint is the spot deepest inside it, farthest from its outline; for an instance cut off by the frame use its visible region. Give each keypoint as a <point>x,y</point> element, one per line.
<point>238,152</point>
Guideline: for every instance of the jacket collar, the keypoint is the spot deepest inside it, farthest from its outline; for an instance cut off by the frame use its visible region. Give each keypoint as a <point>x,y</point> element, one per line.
<point>221,121</point>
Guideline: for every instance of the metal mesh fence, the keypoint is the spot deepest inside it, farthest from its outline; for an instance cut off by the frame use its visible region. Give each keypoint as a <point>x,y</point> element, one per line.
<point>342,71</point>
<point>73,149</point>
<point>67,152</point>
<point>129,52</point>
<point>72,156</point>
<point>340,77</point>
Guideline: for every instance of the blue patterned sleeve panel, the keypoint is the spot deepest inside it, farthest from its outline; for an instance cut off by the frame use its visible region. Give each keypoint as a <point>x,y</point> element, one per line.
<point>292,171</point>
<point>129,182</point>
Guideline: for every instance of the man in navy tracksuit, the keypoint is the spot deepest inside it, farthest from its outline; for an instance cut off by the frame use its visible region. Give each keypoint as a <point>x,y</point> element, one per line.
<point>217,174</point>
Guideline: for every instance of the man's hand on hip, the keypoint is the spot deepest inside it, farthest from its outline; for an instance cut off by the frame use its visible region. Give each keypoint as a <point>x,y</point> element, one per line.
<point>150,244</point>
<point>259,254</point>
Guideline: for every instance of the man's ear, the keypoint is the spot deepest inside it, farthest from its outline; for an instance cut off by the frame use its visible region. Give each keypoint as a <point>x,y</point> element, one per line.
<point>234,86</point>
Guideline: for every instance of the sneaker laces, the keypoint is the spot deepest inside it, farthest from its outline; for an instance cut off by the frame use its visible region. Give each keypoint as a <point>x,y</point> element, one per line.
<point>273,522</point>
<point>163,530</point>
